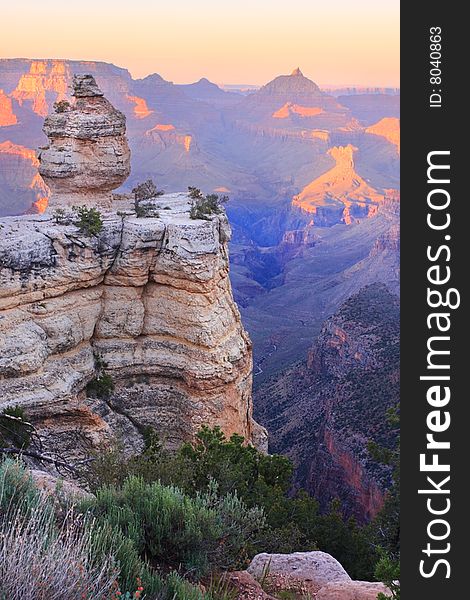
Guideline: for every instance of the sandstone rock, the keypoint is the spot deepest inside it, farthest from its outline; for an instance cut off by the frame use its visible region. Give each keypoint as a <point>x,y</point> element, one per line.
<point>148,298</point>
<point>18,169</point>
<point>45,78</point>
<point>389,128</point>
<point>351,590</point>
<point>151,296</point>
<point>246,586</point>
<point>51,485</point>
<point>7,116</point>
<point>88,155</point>
<point>317,568</point>
<point>357,349</point>
<point>84,86</point>
<point>340,195</point>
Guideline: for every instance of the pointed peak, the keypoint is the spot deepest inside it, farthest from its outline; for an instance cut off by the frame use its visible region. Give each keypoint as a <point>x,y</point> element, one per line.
<point>297,72</point>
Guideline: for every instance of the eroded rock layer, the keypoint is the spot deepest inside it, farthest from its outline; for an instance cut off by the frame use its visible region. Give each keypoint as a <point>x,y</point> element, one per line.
<point>88,155</point>
<point>151,298</point>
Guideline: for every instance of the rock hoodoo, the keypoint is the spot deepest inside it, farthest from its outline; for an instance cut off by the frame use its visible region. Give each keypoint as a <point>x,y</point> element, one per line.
<point>145,301</point>
<point>88,155</point>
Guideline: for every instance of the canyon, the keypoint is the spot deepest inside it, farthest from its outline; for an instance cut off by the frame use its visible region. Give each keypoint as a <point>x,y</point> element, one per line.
<point>324,411</point>
<point>146,302</point>
<point>313,180</point>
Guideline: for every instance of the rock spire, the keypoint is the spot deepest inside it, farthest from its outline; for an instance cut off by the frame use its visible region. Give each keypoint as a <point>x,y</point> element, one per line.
<point>88,155</point>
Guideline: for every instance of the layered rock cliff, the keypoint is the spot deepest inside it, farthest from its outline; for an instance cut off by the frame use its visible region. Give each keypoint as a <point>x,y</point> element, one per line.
<point>18,173</point>
<point>88,155</point>
<point>7,116</point>
<point>340,195</point>
<point>323,411</point>
<point>146,302</point>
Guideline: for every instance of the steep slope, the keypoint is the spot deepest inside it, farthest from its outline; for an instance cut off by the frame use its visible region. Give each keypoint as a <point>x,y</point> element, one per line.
<point>302,289</point>
<point>7,116</point>
<point>389,128</point>
<point>146,302</point>
<point>323,412</point>
<point>19,177</point>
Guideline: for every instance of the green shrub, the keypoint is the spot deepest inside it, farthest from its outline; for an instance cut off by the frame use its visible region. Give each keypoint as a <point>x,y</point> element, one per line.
<point>388,571</point>
<point>110,466</point>
<point>88,220</point>
<point>293,522</point>
<point>100,387</point>
<point>173,530</point>
<point>62,106</point>
<point>14,428</point>
<point>203,207</point>
<point>49,551</point>
<point>60,216</point>
<point>17,489</point>
<point>146,191</point>
<point>177,588</point>
<point>145,211</point>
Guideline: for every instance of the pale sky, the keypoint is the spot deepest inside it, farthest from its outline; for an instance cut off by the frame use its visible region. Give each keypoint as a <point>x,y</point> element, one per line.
<point>335,42</point>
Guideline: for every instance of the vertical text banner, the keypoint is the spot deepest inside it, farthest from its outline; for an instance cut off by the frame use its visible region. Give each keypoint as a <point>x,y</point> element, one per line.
<point>435,331</point>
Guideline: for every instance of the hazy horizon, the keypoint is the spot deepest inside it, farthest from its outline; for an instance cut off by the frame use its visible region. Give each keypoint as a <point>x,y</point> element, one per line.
<point>242,43</point>
<point>224,84</point>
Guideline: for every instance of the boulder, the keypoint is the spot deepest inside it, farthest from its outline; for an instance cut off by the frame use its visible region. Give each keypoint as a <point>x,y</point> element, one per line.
<point>317,568</point>
<point>246,586</point>
<point>51,485</point>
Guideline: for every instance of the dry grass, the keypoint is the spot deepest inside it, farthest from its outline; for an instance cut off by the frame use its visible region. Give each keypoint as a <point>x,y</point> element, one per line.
<point>40,561</point>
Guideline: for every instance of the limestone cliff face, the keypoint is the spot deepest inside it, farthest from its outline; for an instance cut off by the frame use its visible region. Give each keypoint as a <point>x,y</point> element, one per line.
<point>149,298</point>
<point>88,155</point>
<point>7,116</point>
<point>18,170</point>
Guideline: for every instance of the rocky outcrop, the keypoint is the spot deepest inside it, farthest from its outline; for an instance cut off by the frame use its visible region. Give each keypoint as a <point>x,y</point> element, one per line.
<point>293,87</point>
<point>340,195</point>
<point>44,77</point>
<point>245,586</point>
<point>144,303</point>
<point>165,136</point>
<point>57,488</point>
<point>88,155</point>
<point>292,110</point>
<point>319,568</point>
<point>310,574</point>
<point>149,297</point>
<point>389,128</point>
